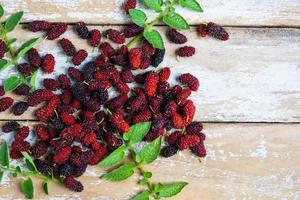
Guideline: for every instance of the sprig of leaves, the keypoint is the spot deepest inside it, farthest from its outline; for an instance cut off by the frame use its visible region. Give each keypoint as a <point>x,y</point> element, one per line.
<point>10,25</point>
<point>146,155</point>
<point>166,14</point>
<point>26,185</point>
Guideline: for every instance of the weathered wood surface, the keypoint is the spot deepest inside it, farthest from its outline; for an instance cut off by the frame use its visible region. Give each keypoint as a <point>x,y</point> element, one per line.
<point>234,12</point>
<point>252,77</point>
<point>245,161</point>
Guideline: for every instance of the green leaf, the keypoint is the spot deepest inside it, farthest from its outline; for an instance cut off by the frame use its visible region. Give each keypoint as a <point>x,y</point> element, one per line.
<point>137,132</point>
<point>143,181</point>
<point>11,41</point>
<point>147,174</point>
<point>27,188</point>
<point>1,176</point>
<point>4,155</point>
<point>13,21</point>
<point>154,38</point>
<point>3,64</point>
<point>45,187</point>
<point>115,157</point>
<point>191,5</point>
<point>138,17</point>
<point>33,80</point>
<point>121,173</point>
<point>142,196</point>
<point>153,4</point>
<point>1,11</point>
<point>29,162</point>
<point>11,83</point>
<point>176,21</point>
<point>26,46</point>
<point>150,151</point>
<point>171,189</point>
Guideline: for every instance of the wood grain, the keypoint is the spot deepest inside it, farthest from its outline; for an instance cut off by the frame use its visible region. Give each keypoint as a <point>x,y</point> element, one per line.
<point>245,161</point>
<point>234,12</point>
<point>252,77</point>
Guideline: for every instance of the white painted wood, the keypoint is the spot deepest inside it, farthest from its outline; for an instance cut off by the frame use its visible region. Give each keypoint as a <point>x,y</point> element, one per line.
<point>252,77</point>
<point>234,12</point>
<point>245,161</point>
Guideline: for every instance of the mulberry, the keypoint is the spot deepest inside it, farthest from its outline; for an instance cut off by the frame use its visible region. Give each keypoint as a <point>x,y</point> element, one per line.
<point>189,110</point>
<point>22,89</point>
<point>79,57</point>
<point>41,132</point>
<point>97,84</point>
<point>64,81</point>
<point>189,80</point>
<point>130,4</point>
<point>185,51</point>
<point>132,30</point>
<point>78,171</point>
<point>112,139</point>
<point>158,57</point>
<point>216,31</point>
<point>101,95</point>
<point>3,48</point>
<point>15,154</point>
<point>62,155</point>
<point>199,150</point>
<point>154,103</point>
<point>66,169</point>
<point>48,63</point>
<point>176,37</point>
<point>22,133</point>
<point>187,141</point>
<point>116,102</point>
<point>121,86</point>
<point>39,25</point>
<point>56,30</point>
<point>169,151</point>
<point>163,88</point>
<point>164,74</point>
<point>39,149</point>
<point>73,184</point>
<point>25,69</point>
<point>45,113</point>
<point>95,37</point>
<point>34,57</point>
<point>118,121</point>
<point>182,96</point>
<point>39,96</point>
<point>75,74</point>
<point>82,30</point>
<point>80,158</point>
<point>194,128</point>
<point>177,120</point>
<point>92,105</point>
<point>2,91</point>
<point>147,49</point>
<point>107,50</point>
<point>202,30</point>
<point>42,166</point>
<point>115,36</point>
<point>143,116</point>
<point>172,139</point>
<point>145,62</point>
<point>151,83</point>
<point>101,61</point>
<point>20,145</point>
<point>171,108</point>
<point>135,55</point>
<point>5,103</point>
<point>89,138</point>
<point>127,76</point>
<point>10,126</point>
<point>71,131</point>
<point>19,108</point>
<point>67,118</point>
<point>51,84</point>
<point>68,47</point>
<point>98,155</point>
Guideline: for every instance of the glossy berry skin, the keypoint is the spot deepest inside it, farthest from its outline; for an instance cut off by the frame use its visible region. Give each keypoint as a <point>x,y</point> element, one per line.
<point>158,57</point>
<point>22,89</point>
<point>187,141</point>
<point>115,36</point>
<point>62,155</point>
<point>132,30</point>
<point>19,108</point>
<point>169,151</point>
<point>10,126</point>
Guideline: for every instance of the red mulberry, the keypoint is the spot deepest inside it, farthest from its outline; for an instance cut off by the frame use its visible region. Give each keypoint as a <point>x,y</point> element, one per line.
<point>51,84</point>
<point>22,133</point>
<point>182,96</point>
<point>132,30</point>
<point>194,128</point>
<point>68,47</point>
<point>92,105</point>
<point>154,103</point>
<point>172,139</point>
<point>145,62</point>
<point>3,48</point>
<point>177,120</point>
<point>5,103</point>
<point>187,141</point>
<point>151,82</point>
<point>176,37</point>
<point>171,108</point>
<point>2,91</point>
<point>79,57</point>
<point>56,31</point>
<point>98,155</point>
<point>158,57</point>
<point>89,138</point>
<point>216,31</point>
<point>45,113</point>
<point>189,110</point>
<point>118,121</point>
<point>115,36</point>
<point>116,102</point>
<point>185,51</point>
<point>147,49</point>
<point>42,133</point>
<point>97,84</point>
<point>142,116</point>
<point>101,61</point>
<point>67,118</point>
<point>39,149</point>
<point>34,57</point>
<point>127,76</point>
<point>38,96</point>
<point>15,154</point>
<point>199,150</point>
<point>121,87</point>
<point>107,50</point>
<point>22,89</point>
<point>75,74</point>
<point>66,97</point>
<point>39,26</point>
<point>202,30</point>
<point>65,82</point>
<point>48,63</point>
<point>82,30</point>
<point>10,126</point>
<point>20,145</point>
<point>135,55</point>
<point>189,80</point>
<point>130,4</point>
<point>19,108</point>
<point>25,69</point>
<point>95,37</point>
<point>71,131</point>
<point>62,155</point>
<point>73,184</point>
<point>169,151</point>
<point>164,74</point>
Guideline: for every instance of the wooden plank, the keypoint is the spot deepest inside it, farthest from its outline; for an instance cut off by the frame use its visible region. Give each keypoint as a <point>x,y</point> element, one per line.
<point>252,77</point>
<point>245,161</point>
<point>234,12</point>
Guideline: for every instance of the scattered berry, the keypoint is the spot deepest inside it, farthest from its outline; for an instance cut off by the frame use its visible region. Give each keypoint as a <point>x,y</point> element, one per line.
<point>10,126</point>
<point>34,57</point>
<point>48,63</point>
<point>19,108</point>
<point>79,57</point>
<point>68,47</point>
<point>82,30</point>
<point>216,31</point>
<point>189,80</point>
<point>5,103</point>
<point>39,25</point>
<point>185,51</point>
<point>95,37</point>
<point>56,31</point>
<point>176,37</point>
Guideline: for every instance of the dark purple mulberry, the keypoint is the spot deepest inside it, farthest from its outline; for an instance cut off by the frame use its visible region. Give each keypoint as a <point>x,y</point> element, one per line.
<point>82,30</point>
<point>34,57</point>
<point>19,108</point>
<point>73,184</point>
<point>176,37</point>
<point>158,57</point>
<point>132,30</point>
<point>68,47</point>
<point>216,31</point>
<point>10,126</point>
<point>169,151</point>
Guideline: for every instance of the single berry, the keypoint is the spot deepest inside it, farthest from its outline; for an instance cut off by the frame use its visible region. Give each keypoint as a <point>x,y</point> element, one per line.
<point>64,81</point>
<point>34,57</point>
<point>202,30</point>
<point>164,74</point>
<point>115,36</point>
<point>51,84</point>
<point>135,56</point>
<point>75,74</point>
<point>151,83</point>
<point>132,30</point>
<point>158,57</point>
<point>3,48</point>
<point>107,50</point>
<point>56,31</point>
<point>42,166</point>
<point>39,25</point>
<point>62,155</point>
<point>189,80</point>
<point>95,37</point>
<point>216,31</point>
<point>187,141</point>
<point>22,89</point>
<point>169,151</point>
<point>48,63</point>
<point>10,126</point>
<point>5,103</point>
<point>67,46</point>
<point>176,37</point>
<point>130,4</point>
<point>25,69</point>
<point>82,30</point>
<point>19,108</point>
<point>73,184</point>
<point>79,57</point>
<point>2,91</point>
<point>185,51</point>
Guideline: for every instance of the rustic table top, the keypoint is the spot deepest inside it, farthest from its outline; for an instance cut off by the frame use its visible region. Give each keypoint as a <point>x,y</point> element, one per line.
<point>249,99</point>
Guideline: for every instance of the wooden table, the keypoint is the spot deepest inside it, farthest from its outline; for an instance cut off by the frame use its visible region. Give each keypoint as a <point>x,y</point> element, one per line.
<point>249,99</point>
